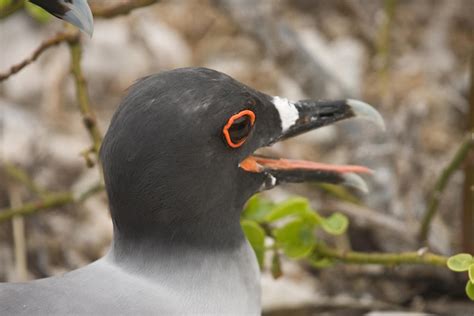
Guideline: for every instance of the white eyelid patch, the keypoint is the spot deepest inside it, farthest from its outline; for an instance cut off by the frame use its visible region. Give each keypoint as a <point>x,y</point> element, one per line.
<point>288,112</point>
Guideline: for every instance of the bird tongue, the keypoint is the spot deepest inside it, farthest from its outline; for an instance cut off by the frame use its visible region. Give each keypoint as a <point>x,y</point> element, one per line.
<point>258,164</point>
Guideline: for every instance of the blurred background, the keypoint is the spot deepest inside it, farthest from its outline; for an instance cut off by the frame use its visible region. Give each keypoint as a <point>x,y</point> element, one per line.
<point>409,59</point>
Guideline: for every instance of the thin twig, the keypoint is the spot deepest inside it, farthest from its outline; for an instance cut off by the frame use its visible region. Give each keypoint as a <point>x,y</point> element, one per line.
<point>110,11</point>
<point>415,257</point>
<point>120,8</point>
<point>467,231</point>
<point>97,188</point>
<point>19,238</point>
<point>53,41</point>
<point>383,39</point>
<point>82,95</point>
<point>22,177</point>
<point>52,200</point>
<point>441,183</point>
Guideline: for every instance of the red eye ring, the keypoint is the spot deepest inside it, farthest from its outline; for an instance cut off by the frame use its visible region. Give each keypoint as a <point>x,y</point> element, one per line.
<point>231,120</point>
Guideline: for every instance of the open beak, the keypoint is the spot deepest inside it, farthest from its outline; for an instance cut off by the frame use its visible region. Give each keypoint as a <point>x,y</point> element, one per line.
<point>76,12</point>
<point>302,116</point>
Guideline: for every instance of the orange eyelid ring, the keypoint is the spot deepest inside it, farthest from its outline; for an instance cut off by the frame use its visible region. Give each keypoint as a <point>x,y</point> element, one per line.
<point>231,120</point>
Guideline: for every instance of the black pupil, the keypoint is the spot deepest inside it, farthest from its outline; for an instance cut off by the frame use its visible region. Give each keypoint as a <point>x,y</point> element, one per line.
<point>240,129</point>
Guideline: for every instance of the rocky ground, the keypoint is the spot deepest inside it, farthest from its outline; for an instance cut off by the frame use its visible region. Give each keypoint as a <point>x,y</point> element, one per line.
<point>411,62</point>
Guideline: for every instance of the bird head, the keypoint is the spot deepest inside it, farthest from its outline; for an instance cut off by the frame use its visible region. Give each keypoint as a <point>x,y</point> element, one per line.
<point>179,151</point>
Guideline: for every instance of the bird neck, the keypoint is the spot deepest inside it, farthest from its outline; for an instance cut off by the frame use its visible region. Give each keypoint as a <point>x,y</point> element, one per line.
<point>201,277</point>
<point>213,231</point>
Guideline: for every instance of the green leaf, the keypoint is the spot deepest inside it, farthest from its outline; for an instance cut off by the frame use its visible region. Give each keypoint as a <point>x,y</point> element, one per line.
<point>296,238</point>
<point>470,290</point>
<point>336,224</point>
<point>311,217</point>
<point>257,208</point>
<point>292,206</point>
<point>460,262</point>
<point>256,237</point>
<point>38,13</point>
<point>471,273</point>
<point>276,266</point>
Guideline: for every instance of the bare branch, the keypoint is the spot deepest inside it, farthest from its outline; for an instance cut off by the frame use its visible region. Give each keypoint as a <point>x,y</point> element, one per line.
<point>110,11</point>
<point>51,42</point>
<point>50,201</point>
<point>119,8</point>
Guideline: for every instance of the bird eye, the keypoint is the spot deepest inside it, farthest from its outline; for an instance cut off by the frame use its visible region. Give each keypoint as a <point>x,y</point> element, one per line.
<point>238,127</point>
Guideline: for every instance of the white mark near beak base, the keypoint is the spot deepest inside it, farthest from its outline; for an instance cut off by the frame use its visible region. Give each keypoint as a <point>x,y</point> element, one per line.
<point>288,112</point>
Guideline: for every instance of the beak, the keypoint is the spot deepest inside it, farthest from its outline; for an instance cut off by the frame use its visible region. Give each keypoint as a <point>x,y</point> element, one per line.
<point>76,12</point>
<point>303,116</point>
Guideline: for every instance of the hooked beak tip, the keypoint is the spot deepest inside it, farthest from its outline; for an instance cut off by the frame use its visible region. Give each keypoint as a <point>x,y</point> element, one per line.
<point>367,112</point>
<point>355,181</point>
<point>80,15</point>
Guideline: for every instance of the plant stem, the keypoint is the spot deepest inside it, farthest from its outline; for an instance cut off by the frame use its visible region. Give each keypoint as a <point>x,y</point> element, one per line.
<point>19,238</point>
<point>88,116</point>
<point>384,40</point>
<point>467,231</point>
<point>441,183</point>
<point>50,201</point>
<point>22,177</point>
<point>121,8</point>
<point>50,42</point>
<point>380,258</point>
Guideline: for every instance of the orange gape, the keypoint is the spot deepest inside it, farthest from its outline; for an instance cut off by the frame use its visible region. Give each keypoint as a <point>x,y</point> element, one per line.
<point>258,164</point>
<point>231,121</point>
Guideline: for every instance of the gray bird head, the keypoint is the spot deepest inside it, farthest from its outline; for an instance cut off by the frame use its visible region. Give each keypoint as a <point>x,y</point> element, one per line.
<point>178,155</point>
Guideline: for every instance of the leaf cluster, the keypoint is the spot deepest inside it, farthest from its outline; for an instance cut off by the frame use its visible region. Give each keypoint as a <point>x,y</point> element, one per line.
<point>464,262</point>
<point>290,228</point>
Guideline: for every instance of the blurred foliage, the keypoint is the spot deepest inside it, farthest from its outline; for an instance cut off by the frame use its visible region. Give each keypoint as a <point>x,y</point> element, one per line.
<point>8,7</point>
<point>4,3</point>
<point>38,13</point>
